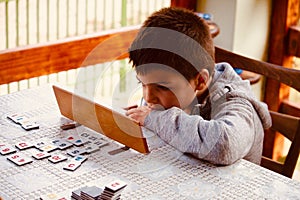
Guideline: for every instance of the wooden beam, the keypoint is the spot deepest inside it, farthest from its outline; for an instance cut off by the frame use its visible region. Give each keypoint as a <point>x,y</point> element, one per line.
<point>287,76</point>
<point>284,14</point>
<point>294,41</point>
<point>189,4</point>
<point>290,108</point>
<point>38,60</point>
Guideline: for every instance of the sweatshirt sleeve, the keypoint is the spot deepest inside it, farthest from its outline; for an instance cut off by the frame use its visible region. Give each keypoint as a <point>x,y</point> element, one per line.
<point>222,140</point>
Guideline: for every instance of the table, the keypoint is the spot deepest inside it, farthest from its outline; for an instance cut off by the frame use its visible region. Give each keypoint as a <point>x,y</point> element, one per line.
<point>165,173</point>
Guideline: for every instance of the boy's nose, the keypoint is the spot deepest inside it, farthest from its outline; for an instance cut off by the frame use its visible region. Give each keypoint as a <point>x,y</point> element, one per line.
<point>149,94</point>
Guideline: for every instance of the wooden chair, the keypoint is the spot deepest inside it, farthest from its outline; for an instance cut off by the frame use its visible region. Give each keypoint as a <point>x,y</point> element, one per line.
<point>285,124</point>
<point>289,126</point>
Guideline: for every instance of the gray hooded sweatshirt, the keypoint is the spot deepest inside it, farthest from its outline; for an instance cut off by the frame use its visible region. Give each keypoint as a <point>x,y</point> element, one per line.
<point>229,126</point>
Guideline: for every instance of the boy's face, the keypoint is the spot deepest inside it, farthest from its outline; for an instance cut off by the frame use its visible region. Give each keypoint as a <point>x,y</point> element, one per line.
<point>167,89</point>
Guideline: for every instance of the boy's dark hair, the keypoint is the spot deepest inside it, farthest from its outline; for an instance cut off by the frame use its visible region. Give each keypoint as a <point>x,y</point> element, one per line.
<point>174,37</point>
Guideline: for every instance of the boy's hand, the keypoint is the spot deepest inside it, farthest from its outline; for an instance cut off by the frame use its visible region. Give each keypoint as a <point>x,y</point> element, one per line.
<point>138,113</point>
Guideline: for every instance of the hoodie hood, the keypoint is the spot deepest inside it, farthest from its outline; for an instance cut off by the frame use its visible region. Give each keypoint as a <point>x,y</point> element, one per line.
<point>227,83</point>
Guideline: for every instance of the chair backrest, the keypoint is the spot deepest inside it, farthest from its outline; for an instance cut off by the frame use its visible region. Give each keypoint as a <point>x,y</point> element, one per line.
<point>287,125</point>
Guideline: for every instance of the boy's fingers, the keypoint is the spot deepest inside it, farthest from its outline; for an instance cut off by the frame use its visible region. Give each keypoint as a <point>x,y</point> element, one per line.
<point>130,111</point>
<point>137,117</point>
<point>130,107</point>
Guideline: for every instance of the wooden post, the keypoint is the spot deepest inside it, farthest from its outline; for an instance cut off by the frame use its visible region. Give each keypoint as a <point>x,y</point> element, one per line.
<point>189,4</point>
<point>284,14</point>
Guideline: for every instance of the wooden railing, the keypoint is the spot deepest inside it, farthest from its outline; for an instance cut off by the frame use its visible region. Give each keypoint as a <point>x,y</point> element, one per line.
<point>26,26</point>
<point>25,22</point>
<point>65,54</point>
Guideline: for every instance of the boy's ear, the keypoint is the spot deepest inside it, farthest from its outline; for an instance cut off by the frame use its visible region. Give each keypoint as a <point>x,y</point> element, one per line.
<point>201,79</point>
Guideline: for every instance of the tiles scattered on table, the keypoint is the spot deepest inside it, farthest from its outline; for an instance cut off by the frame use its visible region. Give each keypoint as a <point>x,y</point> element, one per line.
<point>74,163</point>
<point>62,144</point>
<point>48,148</point>
<point>19,159</point>
<point>25,122</point>
<point>91,148</point>
<point>24,145</point>
<point>76,152</point>
<point>6,149</point>
<point>29,125</point>
<point>41,155</point>
<point>56,158</point>
<point>17,117</point>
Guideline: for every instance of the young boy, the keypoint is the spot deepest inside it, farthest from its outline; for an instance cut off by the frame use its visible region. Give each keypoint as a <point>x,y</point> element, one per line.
<point>195,105</point>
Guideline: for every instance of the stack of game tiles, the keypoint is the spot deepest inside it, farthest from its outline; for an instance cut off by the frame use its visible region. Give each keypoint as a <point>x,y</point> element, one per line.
<point>76,194</point>
<point>91,193</point>
<point>113,190</point>
<point>87,193</point>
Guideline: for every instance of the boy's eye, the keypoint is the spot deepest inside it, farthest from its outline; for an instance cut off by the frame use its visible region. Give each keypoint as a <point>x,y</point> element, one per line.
<point>139,82</point>
<point>162,87</point>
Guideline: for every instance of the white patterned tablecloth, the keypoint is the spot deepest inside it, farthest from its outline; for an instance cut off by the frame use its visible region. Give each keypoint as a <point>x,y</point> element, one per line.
<point>165,173</point>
